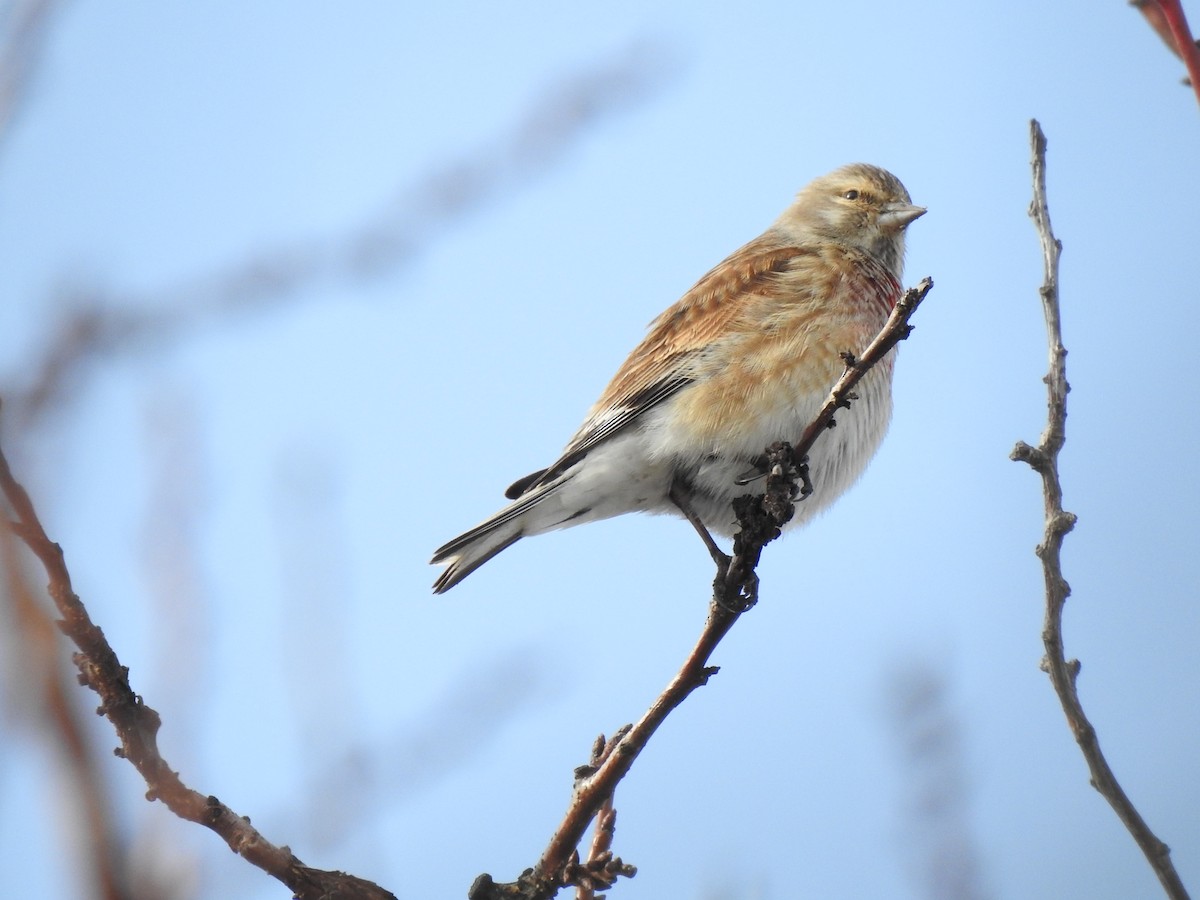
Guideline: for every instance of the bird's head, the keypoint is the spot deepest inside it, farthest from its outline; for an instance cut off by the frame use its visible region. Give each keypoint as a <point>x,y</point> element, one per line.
<point>859,205</point>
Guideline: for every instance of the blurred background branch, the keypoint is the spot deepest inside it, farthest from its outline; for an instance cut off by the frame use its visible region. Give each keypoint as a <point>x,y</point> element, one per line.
<point>935,824</point>
<point>99,322</point>
<point>352,780</point>
<point>24,26</point>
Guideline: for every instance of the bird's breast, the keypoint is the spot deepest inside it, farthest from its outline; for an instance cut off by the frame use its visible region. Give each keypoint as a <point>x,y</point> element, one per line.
<point>772,375</point>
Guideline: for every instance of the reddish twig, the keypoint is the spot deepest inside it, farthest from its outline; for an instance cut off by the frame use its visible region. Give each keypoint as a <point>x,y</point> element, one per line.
<point>734,591</point>
<point>1167,19</point>
<point>1043,459</point>
<point>137,724</point>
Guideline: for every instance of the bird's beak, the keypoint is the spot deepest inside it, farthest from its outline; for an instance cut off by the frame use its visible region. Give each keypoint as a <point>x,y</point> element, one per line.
<point>899,215</point>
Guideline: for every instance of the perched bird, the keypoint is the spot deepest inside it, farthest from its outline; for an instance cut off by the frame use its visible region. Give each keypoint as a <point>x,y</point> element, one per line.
<point>745,358</point>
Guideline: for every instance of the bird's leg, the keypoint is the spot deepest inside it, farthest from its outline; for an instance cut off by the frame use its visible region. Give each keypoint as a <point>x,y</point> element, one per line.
<point>680,498</point>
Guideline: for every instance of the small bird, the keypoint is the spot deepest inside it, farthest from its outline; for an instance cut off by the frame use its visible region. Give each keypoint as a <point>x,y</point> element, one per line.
<point>745,358</point>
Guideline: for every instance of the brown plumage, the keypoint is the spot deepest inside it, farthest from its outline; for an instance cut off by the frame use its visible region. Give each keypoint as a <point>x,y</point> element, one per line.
<point>743,359</point>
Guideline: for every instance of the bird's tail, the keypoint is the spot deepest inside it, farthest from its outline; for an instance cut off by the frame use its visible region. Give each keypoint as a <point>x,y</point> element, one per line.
<point>469,551</point>
<point>473,548</point>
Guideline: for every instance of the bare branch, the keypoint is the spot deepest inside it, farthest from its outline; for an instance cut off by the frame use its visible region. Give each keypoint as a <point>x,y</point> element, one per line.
<point>137,724</point>
<point>734,592</point>
<point>601,869</point>
<point>1044,460</point>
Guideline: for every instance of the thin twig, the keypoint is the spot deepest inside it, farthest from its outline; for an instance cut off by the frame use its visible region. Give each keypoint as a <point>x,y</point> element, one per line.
<point>137,724</point>
<point>893,332</point>
<point>1043,459</point>
<point>737,588</point>
<point>733,594</point>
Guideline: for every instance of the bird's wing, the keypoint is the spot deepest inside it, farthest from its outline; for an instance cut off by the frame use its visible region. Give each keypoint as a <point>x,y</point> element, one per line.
<point>664,362</point>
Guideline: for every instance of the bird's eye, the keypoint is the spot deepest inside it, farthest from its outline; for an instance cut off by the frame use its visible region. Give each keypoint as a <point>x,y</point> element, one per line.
<point>851,195</point>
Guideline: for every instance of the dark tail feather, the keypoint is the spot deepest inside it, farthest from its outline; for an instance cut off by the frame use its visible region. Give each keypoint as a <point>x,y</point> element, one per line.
<point>464,564</point>
<point>473,548</point>
<point>521,485</point>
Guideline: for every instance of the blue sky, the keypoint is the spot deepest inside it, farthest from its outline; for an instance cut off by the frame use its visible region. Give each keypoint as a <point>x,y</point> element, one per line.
<point>248,501</point>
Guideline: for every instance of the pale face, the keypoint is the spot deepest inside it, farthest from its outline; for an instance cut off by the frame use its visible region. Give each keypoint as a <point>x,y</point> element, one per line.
<point>858,205</point>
